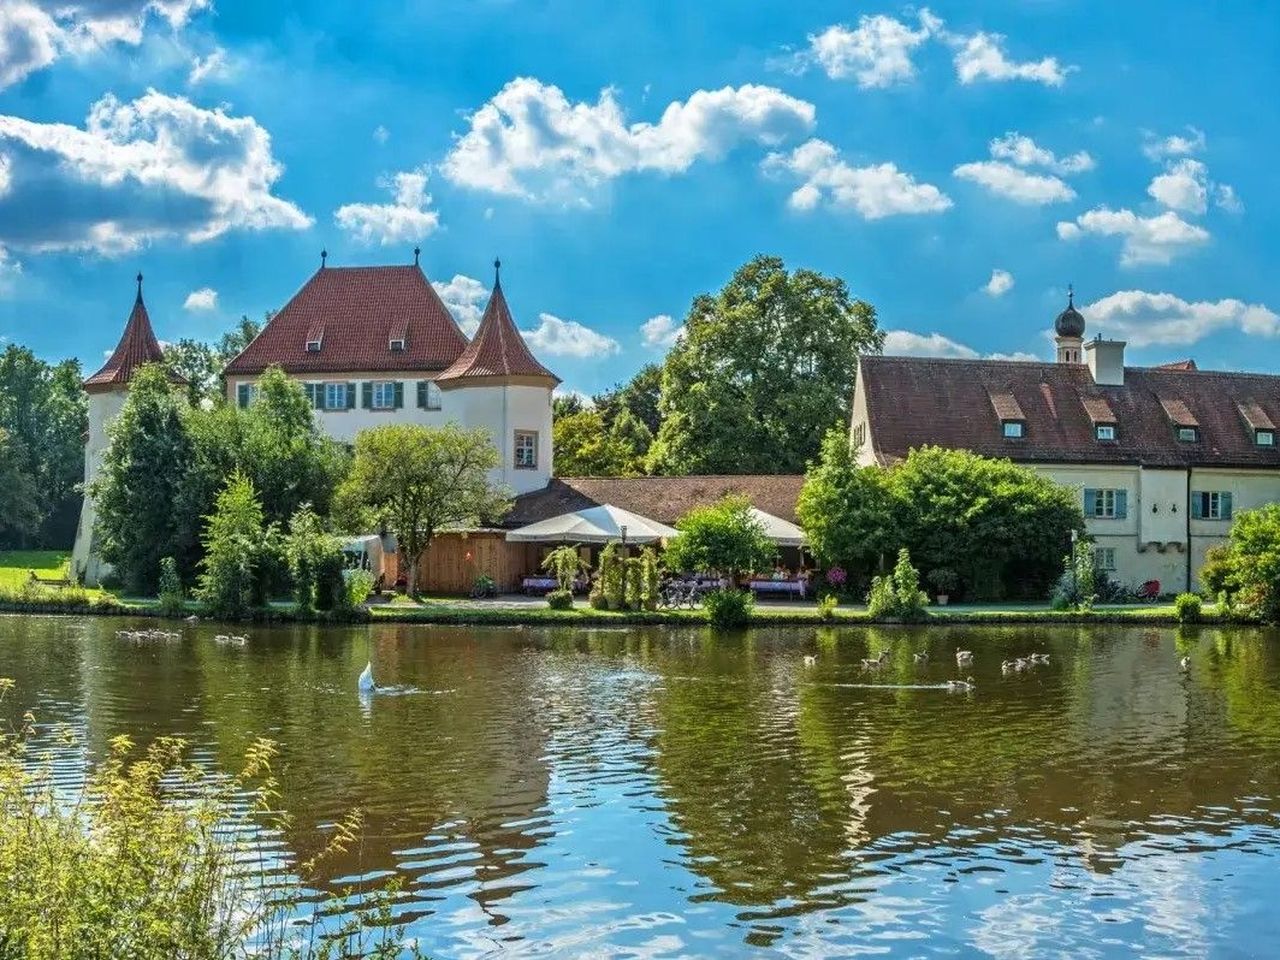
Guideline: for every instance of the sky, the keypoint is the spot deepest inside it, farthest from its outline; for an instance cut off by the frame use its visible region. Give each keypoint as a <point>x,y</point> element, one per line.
<point>958,165</point>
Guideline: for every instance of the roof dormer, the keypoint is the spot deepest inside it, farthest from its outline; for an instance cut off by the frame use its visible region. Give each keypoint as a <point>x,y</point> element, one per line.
<point>1185,425</point>
<point>1013,422</point>
<point>315,338</point>
<point>1264,430</point>
<point>398,338</point>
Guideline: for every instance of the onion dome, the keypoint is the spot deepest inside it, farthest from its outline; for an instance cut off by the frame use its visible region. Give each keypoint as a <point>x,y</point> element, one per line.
<point>1070,322</point>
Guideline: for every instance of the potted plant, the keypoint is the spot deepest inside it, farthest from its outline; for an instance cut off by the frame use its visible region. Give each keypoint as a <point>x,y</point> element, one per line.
<point>944,581</point>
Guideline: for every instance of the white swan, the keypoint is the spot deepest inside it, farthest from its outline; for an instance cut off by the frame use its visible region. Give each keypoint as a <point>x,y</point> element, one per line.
<point>365,683</point>
<point>810,660</point>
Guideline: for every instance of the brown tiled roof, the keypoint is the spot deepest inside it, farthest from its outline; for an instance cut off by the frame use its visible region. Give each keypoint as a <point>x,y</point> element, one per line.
<point>1187,364</point>
<point>1005,405</point>
<point>497,349</point>
<point>665,499</point>
<point>1098,409</point>
<point>913,402</point>
<point>1255,416</point>
<point>1179,413</point>
<point>354,311</point>
<point>137,346</point>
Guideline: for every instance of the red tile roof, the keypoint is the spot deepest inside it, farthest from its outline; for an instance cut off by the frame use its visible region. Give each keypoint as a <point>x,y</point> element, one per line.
<point>913,402</point>
<point>665,499</point>
<point>355,312</point>
<point>137,346</point>
<point>497,349</point>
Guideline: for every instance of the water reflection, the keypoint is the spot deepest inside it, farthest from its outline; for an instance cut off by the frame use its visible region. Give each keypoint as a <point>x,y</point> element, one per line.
<point>567,792</point>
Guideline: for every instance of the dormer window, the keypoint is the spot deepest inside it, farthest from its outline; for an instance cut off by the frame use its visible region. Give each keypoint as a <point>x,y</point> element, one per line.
<point>1105,431</point>
<point>1264,438</point>
<point>397,345</point>
<point>313,346</point>
<point>1188,434</point>
<point>1013,429</point>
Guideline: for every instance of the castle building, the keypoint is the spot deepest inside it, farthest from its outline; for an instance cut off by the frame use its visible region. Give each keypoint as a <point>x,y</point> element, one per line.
<point>1160,457</point>
<point>106,391</point>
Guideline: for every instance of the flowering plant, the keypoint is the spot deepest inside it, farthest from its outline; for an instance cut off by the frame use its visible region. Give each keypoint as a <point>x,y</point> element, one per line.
<point>836,576</point>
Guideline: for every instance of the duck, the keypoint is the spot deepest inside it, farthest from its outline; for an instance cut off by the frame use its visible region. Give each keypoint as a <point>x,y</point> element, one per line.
<point>966,684</point>
<point>964,656</point>
<point>873,662</point>
<point>810,660</point>
<point>366,683</point>
<point>1007,666</point>
<point>1039,657</point>
<point>922,657</point>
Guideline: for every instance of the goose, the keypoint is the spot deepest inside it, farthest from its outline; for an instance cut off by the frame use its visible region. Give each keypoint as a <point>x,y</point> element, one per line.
<point>965,684</point>
<point>1007,666</point>
<point>922,657</point>
<point>872,663</point>
<point>1039,658</point>
<point>365,684</point>
<point>1185,663</point>
<point>964,656</point>
<point>1022,663</point>
<point>810,660</point>
<point>193,619</point>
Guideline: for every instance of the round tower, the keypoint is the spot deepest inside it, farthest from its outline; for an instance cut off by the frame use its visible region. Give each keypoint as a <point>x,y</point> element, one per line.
<point>1068,331</point>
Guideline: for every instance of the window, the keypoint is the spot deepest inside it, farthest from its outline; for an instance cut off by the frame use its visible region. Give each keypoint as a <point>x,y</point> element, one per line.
<point>1210,505</point>
<point>1013,429</point>
<point>315,394</point>
<point>428,395</point>
<point>336,396</point>
<point>1104,558</point>
<point>1105,431</point>
<point>1265,438</point>
<point>384,395</point>
<point>313,346</point>
<point>1188,434</point>
<point>526,450</point>
<point>1106,504</point>
<point>859,435</point>
<point>397,345</point>
<point>246,393</point>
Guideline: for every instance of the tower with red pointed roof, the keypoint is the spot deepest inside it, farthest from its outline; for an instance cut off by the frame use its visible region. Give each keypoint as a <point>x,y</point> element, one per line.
<point>107,390</point>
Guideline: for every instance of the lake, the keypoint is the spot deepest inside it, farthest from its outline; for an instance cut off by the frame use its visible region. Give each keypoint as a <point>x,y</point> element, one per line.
<point>657,792</point>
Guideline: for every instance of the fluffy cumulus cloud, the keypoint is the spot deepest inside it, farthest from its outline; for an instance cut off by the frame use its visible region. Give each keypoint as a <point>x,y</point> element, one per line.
<point>407,219</point>
<point>35,33</point>
<point>1185,186</point>
<point>661,331</point>
<point>877,53</point>
<point>465,297</point>
<point>1146,240</point>
<point>206,298</point>
<point>1006,173</point>
<point>1144,319</point>
<point>904,343</point>
<point>216,66</point>
<point>982,57</point>
<point>568,338</point>
<point>874,192</point>
<point>531,141</point>
<point>1001,282</point>
<point>158,166</point>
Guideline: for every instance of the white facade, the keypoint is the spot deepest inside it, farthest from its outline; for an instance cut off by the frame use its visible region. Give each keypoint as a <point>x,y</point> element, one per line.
<point>104,407</point>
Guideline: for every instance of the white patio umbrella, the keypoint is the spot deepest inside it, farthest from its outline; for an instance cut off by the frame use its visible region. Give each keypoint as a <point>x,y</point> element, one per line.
<point>594,525</point>
<point>782,532</point>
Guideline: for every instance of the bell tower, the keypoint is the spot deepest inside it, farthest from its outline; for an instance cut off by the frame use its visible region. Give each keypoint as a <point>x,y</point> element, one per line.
<point>1068,331</point>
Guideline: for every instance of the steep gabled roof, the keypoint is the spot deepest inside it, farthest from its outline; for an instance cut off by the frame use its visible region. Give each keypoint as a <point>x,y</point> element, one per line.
<point>137,346</point>
<point>914,402</point>
<point>355,312</point>
<point>497,350</point>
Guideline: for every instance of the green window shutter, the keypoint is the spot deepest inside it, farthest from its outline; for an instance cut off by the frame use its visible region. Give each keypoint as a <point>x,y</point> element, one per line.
<point>399,402</point>
<point>242,394</point>
<point>422,394</point>
<point>1090,502</point>
<point>1224,505</point>
<point>1122,504</point>
<point>366,395</point>
<point>351,396</point>
<point>1197,505</point>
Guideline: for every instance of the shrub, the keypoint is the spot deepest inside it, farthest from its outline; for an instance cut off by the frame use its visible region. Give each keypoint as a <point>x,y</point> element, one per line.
<point>898,596</point>
<point>943,580</point>
<point>596,598</point>
<point>725,537</point>
<point>1187,607</point>
<point>827,607</point>
<point>564,563</point>
<point>234,544</point>
<point>309,551</point>
<point>331,583</point>
<point>359,586</point>
<point>634,583</point>
<point>650,579</point>
<point>560,599</point>
<point>729,608</point>
<point>1077,587</point>
<point>173,599</point>
<point>612,577</point>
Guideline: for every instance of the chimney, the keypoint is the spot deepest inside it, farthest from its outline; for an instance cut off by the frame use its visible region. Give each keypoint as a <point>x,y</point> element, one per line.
<point>1106,361</point>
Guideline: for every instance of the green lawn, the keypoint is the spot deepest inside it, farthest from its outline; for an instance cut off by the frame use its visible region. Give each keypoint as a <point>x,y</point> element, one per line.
<point>16,565</point>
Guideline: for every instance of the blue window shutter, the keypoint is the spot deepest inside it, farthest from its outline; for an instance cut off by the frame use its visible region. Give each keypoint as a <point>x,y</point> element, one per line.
<point>399,394</point>
<point>366,395</point>
<point>1197,508</point>
<point>1122,504</point>
<point>1090,502</point>
<point>1224,505</point>
<point>351,396</point>
<point>422,394</point>
<point>242,394</point>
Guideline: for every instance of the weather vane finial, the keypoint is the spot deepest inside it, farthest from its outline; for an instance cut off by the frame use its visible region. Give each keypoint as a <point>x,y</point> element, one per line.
<point>139,284</point>
<point>324,255</point>
<point>416,251</point>
<point>497,270</point>
<point>1071,294</point>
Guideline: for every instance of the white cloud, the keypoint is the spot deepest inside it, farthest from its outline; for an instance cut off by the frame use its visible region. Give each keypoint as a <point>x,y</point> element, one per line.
<point>1001,282</point>
<point>10,271</point>
<point>381,134</point>
<point>1146,239</point>
<point>568,338</point>
<point>1018,356</point>
<point>661,331</point>
<point>874,192</point>
<point>530,141</point>
<point>1225,197</point>
<point>1015,183</point>
<point>465,297</point>
<point>1144,319</point>
<point>1175,145</point>
<point>35,33</point>
<point>158,166</point>
<point>1025,152</point>
<point>875,54</point>
<point>404,221</point>
<point>904,343</point>
<point>981,56</point>
<point>1183,186</point>
<point>206,298</point>
<point>215,66</point>
<point>6,174</point>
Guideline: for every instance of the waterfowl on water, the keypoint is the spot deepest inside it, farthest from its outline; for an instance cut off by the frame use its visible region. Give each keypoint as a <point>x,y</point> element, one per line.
<point>193,619</point>
<point>964,656</point>
<point>1039,658</point>
<point>810,660</point>
<point>365,683</point>
<point>965,684</point>
<point>1007,666</point>
<point>1185,663</point>
<point>920,657</point>
<point>871,663</point>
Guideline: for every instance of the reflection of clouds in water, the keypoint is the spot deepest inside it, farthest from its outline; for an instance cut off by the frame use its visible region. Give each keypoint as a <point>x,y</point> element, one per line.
<point>1022,925</point>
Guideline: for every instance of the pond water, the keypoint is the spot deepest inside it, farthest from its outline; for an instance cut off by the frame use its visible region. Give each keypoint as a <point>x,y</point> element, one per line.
<point>569,792</point>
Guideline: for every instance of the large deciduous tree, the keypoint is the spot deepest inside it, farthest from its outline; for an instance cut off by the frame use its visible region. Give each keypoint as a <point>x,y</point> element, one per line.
<point>20,513</point>
<point>418,480</point>
<point>765,368</point>
<point>586,447</point>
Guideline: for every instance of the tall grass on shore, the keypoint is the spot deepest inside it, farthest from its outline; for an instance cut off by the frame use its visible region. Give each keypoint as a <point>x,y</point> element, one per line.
<point>154,858</point>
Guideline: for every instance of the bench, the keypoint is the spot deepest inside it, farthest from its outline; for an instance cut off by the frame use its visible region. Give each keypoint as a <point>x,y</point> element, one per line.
<point>789,587</point>
<point>49,581</point>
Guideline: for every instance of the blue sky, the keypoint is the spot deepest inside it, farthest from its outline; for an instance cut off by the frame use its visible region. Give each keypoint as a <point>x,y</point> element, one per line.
<point>957,165</point>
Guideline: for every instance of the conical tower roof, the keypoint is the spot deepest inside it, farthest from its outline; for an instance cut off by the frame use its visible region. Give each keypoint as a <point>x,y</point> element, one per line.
<point>497,351</point>
<point>137,346</point>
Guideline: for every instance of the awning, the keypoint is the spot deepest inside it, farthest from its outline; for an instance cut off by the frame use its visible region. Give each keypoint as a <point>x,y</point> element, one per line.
<point>594,525</point>
<point>782,532</point>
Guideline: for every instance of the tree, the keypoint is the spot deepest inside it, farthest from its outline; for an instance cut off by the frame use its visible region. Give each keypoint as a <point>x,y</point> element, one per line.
<point>416,480</point>
<point>725,537</point>
<point>585,448</point>
<point>765,368</point>
<point>20,512</point>
<point>199,365</point>
<point>639,396</point>
<point>566,405</point>
<point>141,481</point>
<point>232,343</point>
<point>1245,573</point>
<point>235,544</point>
